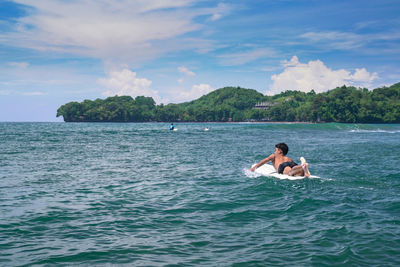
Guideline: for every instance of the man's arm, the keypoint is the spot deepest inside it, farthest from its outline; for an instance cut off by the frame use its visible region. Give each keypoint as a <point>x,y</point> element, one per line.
<point>270,158</point>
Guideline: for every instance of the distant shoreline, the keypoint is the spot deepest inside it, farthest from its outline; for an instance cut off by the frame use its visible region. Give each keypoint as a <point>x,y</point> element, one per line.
<point>236,104</point>
<point>241,122</point>
<point>211,122</point>
<point>207,122</point>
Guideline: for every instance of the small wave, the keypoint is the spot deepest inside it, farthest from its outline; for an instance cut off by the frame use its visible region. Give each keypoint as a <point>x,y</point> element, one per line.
<point>366,188</point>
<point>372,131</point>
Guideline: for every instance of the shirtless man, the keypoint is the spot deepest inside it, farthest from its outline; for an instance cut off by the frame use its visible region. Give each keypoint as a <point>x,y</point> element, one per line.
<point>283,164</point>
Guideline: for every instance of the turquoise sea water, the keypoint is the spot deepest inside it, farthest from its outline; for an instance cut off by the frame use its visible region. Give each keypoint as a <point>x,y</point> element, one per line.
<point>140,195</point>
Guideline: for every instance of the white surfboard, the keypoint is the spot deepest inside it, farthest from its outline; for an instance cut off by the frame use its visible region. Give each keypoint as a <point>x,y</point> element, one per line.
<point>269,170</point>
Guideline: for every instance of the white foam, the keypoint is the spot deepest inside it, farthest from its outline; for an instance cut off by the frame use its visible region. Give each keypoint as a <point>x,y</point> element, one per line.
<point>373,131</point>
<point>251,174</point>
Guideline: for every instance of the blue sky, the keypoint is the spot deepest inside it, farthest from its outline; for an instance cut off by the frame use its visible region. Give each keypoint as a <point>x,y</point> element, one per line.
<point>56,51</point>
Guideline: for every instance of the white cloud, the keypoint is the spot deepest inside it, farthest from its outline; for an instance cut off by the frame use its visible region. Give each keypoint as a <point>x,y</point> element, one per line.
<point>315,75</point>
<point>126,82</point>
<point>5,92</point>
<point>20,65</point>
<point>216,16</point>
<point>34,93</point>
<point>336,40</point>
<point>363,76</point>
<point>220,11</point>
<point>245,57</point>
<point>195,92</point>
<point>9,92</point>
<point>186,71</point>
<point>294,61</point>
<point>201,89</point>
<point>109,29</point>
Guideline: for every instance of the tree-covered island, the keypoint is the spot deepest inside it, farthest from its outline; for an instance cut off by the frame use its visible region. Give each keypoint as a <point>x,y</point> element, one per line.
<point>342,104</point>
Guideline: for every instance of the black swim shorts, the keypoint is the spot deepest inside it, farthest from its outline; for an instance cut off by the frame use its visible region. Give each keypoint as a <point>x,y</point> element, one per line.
<point>291,164</point>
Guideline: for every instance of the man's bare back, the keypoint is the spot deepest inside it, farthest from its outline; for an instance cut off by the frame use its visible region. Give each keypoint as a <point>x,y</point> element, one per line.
<point>277,160</point>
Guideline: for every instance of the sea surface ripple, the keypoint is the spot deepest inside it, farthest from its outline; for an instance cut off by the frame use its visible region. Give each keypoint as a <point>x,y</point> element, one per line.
<point>137,194</point>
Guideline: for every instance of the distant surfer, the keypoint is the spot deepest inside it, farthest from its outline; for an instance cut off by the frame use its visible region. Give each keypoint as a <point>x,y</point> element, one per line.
<point>283,164</point>
<point>171,127</point>
<point>206,129</point>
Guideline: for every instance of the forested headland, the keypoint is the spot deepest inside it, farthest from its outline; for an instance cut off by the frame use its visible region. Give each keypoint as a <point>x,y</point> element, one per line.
<point>342,104</point>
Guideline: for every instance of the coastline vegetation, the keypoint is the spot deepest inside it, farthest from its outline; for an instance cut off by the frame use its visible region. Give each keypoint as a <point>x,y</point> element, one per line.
<point>343,104</point>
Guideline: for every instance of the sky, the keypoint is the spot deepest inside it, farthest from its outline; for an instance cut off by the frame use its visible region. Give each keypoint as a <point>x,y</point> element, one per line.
<point>56,51</point>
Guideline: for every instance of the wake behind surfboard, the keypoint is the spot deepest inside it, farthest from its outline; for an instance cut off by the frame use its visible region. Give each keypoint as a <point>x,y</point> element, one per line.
<point>269,170</point>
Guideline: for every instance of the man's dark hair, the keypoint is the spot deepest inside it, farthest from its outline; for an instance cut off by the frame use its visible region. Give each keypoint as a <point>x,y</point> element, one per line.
<point>283,147</point>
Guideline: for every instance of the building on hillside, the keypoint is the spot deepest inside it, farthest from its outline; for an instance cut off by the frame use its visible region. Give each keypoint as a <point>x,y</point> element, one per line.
<point>264,105</point>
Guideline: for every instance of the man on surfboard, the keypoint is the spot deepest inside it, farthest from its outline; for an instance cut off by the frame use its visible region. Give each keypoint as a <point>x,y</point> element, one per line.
<point>283,164</point>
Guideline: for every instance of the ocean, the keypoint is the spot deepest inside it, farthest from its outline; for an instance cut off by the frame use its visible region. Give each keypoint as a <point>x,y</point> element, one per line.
<point>137,194</point>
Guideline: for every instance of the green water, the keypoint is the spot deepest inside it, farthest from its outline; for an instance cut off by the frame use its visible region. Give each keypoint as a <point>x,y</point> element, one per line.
<point>140,195</point>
